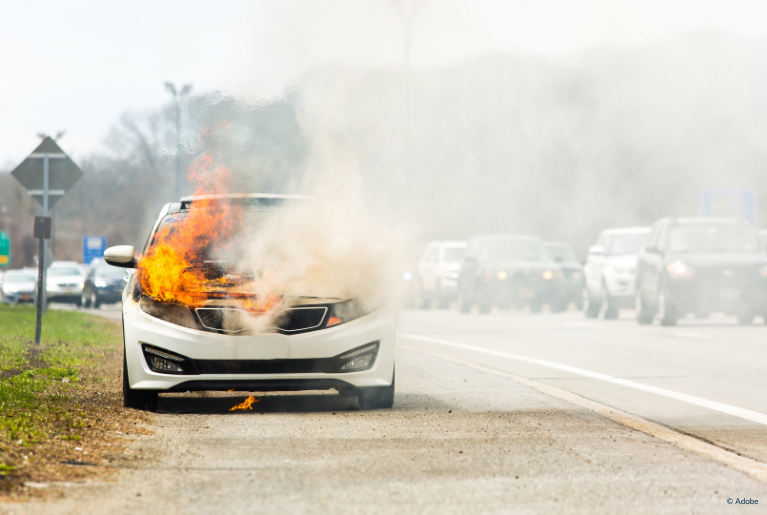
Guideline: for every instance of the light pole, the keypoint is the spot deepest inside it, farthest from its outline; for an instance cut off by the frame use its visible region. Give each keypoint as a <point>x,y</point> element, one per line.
<point>177,97</point>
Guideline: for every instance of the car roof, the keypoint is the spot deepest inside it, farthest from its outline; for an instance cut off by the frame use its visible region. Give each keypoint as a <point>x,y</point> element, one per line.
<point>701,220</point>
<point>627,230</point>
<point>247,200</point>
<point>64,263</point>
<point>509,237</point>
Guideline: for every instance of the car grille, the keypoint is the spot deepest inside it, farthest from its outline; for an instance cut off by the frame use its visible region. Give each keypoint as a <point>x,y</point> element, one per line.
<point>301,319</point>
<point>262,366</point>
<point>233,321</point>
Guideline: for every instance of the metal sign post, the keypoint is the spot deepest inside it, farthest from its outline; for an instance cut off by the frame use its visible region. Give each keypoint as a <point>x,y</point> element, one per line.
<point>42,232</point>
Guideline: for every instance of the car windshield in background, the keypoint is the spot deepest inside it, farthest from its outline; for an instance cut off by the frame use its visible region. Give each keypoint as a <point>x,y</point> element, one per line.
<point>453,254</point>
<point>64,270</point>
<point>506,249</point>
<point>627,243</point>
<point>105,270</point>
<point>560,254</point>
<point>713,239</point>
<point>15,278</point>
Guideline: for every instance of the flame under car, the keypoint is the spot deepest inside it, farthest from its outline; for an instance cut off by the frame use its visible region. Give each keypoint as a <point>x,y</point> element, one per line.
<point>202,323</point>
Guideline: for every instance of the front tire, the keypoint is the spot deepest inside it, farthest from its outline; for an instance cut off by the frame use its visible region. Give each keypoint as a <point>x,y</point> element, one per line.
<point>667,312</point>
<point>591,306</point>
<point>137,399</point>
<point>377,397</point>
<point>643,312</point>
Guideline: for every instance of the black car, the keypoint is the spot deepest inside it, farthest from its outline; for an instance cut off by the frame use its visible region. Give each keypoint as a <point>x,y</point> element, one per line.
<point>571,286</point>
<point>701,266</point>
<point>506,270</point>
<point>103,285</point>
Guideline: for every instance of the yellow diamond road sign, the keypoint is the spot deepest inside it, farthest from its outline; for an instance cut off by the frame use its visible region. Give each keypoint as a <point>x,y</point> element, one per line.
<point>63,173</point>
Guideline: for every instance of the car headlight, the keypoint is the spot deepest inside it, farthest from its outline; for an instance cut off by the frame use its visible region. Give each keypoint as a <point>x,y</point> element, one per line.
<point>502,275</point>
<point>100,283</point>
<point>343,312</point>
<point>169,312</point>
<point>407,276</point>
<point>680,269</point>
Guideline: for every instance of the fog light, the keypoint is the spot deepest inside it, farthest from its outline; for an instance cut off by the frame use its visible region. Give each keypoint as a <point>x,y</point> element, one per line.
<point>358,362</point>
<point>361,358</point>
<point>164,365</point>
<point>166,362</point>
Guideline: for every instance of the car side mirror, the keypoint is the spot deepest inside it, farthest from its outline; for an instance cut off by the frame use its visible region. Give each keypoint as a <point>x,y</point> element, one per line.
<point>597,250</point>
<point>123,256</point>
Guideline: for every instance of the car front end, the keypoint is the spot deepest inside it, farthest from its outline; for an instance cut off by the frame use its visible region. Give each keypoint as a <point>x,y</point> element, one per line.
<point>317,346</point>
<point>512,284</point>
<point>619,275</point>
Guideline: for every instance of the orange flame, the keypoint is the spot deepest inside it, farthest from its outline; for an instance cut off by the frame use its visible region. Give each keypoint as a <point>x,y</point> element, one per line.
<point>246,404</point>
<point>165,271</point>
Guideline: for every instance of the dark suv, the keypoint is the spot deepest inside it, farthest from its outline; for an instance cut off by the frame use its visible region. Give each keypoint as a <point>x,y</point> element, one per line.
<point>701,266</point>
<point>503,270</point>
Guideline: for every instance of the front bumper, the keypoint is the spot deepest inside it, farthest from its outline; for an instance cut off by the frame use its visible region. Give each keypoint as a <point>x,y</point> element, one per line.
<point>19,297</point>
<point>692,295</point>
<point>621,284</point>
<point>520,290</point>
<point>140,328</point>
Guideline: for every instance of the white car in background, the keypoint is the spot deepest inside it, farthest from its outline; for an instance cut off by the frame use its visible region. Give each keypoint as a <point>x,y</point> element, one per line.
<point>610,271</point>
<point>316,343</point>
<point>438,272</point>
<point>18,286</point>
<point>64,282</point>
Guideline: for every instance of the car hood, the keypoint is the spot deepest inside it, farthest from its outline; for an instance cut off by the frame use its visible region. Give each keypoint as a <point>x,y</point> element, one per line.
<point>622,261</point>
<point>20,287</point>
<point>519,265</point>
<point>719,259</point>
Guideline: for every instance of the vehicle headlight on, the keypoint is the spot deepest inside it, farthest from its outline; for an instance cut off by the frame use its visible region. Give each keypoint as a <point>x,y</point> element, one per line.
<point>547,274</point>
<point>407,276</point>
<point>680,269</point>
<point>343,312</point>
<point>169,312</point>
<point>502,275</point>
<point>355,360</point>
<point>100,283</point>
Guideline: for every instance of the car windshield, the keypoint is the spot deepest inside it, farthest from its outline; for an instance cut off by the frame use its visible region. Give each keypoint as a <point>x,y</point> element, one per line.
<point>507,249</point>
<point>18,277</point>
<point>627,243</point>
<point>561,254</point>
<point>64,271</point>
<point>713,239</point>
<point>453,254</point>
<point>106,270</point>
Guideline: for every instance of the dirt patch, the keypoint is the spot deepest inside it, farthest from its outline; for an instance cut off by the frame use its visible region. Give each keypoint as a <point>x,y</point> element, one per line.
<point>84,432</point>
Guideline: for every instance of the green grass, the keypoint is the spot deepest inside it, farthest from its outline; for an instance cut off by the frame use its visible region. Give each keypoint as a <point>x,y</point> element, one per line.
<point>41,387</point>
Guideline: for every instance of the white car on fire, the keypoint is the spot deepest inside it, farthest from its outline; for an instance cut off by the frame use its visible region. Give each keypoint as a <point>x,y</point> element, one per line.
<point>312,343</point>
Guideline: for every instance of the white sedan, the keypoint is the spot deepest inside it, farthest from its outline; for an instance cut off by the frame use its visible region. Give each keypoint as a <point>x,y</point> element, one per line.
<point>309,343</point>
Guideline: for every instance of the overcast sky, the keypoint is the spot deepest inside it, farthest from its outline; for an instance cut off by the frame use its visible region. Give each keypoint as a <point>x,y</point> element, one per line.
<point>77,66</point>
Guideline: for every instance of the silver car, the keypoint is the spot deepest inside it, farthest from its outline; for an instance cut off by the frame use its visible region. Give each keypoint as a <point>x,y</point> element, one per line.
<point>19,286</point>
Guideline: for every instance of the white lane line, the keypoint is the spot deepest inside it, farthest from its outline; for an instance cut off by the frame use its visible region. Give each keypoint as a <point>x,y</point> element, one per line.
<point>694,335</point>
<point>748,466</point>
<point>735,411</point>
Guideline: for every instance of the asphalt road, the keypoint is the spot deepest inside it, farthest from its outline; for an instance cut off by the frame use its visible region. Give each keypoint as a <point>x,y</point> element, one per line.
<point>500,413</point>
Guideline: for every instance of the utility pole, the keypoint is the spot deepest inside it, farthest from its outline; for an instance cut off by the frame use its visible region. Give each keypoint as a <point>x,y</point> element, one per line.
<point>177,97</point>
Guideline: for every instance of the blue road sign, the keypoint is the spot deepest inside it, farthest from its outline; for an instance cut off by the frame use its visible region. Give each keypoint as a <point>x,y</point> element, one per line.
<point>93,248</point>
<point>730,203</point>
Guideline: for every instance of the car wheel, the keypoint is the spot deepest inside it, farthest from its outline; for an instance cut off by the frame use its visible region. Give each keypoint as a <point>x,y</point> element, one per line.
<point>667,313</point>
<point>137,399</point>
<point>377,397</point>
<point>464,304</point>
<point>591,306</point>
<point>643,312</point>
<point>611,307</point>
<point>85,300</point>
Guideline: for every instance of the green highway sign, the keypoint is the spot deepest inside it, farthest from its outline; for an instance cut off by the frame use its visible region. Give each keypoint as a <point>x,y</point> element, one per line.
<point>5,250</point>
